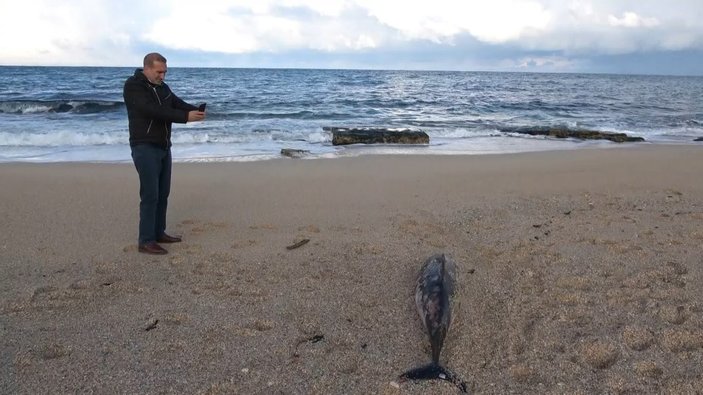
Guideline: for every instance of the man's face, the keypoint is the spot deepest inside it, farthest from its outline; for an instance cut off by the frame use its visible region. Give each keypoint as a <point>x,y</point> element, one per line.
<point>156,72</point>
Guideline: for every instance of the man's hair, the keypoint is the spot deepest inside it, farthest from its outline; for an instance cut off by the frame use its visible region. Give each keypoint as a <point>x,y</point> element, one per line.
<point>150,58</point>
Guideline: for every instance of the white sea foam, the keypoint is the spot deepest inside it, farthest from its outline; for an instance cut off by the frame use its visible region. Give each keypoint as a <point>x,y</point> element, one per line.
<point>462,133</point>
<point>36,108</point>
<point>62,138</point>
<point>319,137</point>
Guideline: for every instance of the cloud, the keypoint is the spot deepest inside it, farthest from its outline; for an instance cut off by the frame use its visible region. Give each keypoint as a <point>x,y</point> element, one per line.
<point>220,32</point>
<point>547,63</point>
<point>239,27</point>
<point>496,21</point>
<point>247,26</point>
<point>620,27</point>
<point>66,32</point>
<point>534,34</point>
<point>631,19</point>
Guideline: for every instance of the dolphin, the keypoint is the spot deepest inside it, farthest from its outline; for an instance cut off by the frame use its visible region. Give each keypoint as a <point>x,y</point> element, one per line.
<point>435,287</point>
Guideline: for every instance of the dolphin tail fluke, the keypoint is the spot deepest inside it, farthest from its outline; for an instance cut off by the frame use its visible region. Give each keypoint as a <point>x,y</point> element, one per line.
<point>434,371</point>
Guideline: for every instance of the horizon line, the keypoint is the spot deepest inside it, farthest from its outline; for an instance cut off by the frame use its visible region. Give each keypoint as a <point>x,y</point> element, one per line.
<point>371,69</point>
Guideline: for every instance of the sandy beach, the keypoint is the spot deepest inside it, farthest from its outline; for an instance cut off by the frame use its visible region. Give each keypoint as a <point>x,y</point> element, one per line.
<point>579,272</point>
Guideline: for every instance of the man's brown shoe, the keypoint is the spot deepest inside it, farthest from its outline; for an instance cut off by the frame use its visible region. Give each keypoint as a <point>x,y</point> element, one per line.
<point>152,248</point>
<point>168,239</point>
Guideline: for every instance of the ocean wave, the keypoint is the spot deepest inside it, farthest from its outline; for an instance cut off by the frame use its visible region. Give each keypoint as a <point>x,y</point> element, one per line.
<point>304,115</point>
<point>254,136</point>
<point>59,106</point>
<point>62,138</point>
<point>78,138</point>
<point>463,133</point>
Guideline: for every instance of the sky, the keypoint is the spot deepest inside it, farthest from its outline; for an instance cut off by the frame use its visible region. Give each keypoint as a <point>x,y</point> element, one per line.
<point>595,36</point>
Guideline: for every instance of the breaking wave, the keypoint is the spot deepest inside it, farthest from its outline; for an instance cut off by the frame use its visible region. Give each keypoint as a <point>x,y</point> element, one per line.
<point>59,106</point>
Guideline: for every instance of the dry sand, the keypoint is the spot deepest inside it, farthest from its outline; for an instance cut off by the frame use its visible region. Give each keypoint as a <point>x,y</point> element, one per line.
<point>579,272</point>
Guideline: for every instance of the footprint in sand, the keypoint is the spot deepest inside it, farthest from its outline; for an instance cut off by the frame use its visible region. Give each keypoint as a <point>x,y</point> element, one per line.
<point>523,373</point>
<point>648,369</point>
<point>243,244</point>
<point>682,340</point>
<point>599,354</point>
<point>261,325</point>
<point>198,227</point>
<point>13,306</point>
<point>130,248</point>
<point>39,292</point>
<point>192,249</point>
<point>80,285</point>
<point>638,339</point>
<point>673,196</point>
<point>309,228</point>
<point>175,318</point>
<point>676,315</point>
<point>53,351</point>
<point>53,297</point>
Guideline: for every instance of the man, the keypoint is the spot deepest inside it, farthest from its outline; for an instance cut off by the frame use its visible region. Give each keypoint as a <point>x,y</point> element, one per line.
<point>151,108</point>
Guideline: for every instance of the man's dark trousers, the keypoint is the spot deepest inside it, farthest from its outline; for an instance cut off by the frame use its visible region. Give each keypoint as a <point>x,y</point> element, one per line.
<point>153,164</point>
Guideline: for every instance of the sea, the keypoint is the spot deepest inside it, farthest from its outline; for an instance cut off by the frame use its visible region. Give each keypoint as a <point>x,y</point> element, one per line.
<point>77,114</point>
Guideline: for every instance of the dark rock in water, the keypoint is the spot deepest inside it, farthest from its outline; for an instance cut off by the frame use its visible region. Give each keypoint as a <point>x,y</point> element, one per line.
<point>576,134</point>
<point>344,136</point>
<point>699,139</point>
<point>294,153</point>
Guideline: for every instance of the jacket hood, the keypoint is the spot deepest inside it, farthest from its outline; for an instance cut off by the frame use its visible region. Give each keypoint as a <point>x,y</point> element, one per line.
<point>139,74</point>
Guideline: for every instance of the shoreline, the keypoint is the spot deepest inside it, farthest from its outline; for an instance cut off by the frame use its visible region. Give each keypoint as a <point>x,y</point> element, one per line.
<point>239,153</point>
<point>579,271</point>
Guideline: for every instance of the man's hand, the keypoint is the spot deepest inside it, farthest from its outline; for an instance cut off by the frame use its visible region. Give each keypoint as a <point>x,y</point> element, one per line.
<point>196,116</point>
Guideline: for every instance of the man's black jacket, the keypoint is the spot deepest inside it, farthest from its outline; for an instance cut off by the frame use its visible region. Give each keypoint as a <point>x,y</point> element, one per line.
<point>151,109</point>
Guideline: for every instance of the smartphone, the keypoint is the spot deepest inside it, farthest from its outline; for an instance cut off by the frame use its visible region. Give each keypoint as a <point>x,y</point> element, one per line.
<point>202,107</point>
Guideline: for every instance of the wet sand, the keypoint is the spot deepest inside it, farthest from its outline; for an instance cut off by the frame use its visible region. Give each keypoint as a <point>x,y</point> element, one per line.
<point>579,272</point>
